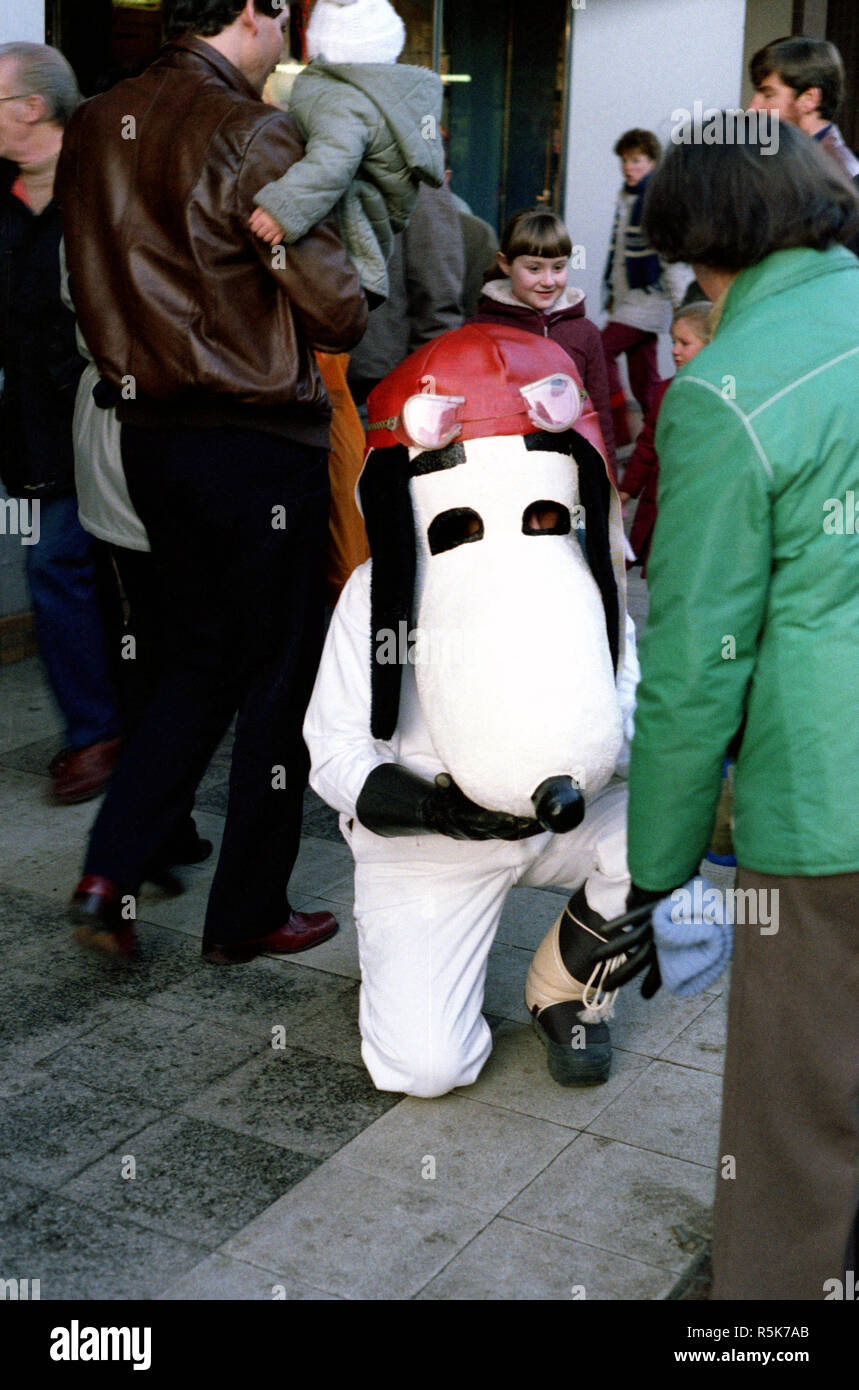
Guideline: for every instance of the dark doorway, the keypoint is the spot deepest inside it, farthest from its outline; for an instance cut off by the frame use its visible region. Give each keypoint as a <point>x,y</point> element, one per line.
<point>103,41</point>
<point>505,87</point>
<point>842,29</point>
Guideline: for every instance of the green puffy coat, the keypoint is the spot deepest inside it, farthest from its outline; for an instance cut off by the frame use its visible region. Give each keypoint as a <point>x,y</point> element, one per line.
<point>372,132</point>
<point>754,577</point>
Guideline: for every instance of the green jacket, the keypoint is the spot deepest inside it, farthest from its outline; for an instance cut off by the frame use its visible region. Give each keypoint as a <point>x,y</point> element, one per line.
<point>372,133</point>
<point>755,585</point>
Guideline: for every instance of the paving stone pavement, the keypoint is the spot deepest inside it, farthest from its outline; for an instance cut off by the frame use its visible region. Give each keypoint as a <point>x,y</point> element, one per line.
<point>183,1131</point>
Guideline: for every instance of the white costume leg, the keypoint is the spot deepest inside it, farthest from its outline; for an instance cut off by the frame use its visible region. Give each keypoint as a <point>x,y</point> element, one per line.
<point>593,855</point>
<point>427,910</point>
<point>570,1015</point>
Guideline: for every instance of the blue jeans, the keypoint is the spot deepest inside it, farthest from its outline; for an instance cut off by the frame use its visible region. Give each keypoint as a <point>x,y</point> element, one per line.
<point>61,572</point>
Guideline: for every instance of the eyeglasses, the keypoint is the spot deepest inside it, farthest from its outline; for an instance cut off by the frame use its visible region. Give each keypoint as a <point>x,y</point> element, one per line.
<point>19,96</point>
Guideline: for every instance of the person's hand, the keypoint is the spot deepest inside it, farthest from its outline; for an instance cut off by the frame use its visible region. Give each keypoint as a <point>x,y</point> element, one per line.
<point>395,801</point>
<point>263,225</point>
<point>684,940</point>
<point>450,812</point>
<point>694,936</point>
<point>631,935</point>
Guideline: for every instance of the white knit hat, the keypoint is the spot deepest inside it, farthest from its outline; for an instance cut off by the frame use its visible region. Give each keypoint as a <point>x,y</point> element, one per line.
<point>355,31</point>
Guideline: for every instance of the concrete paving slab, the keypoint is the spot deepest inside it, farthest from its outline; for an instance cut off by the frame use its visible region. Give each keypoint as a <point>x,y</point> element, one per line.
<point>43,844</point>
<point>31,757</point>
<point>702,1044</point>
<point>221,1278</point>
<point>52,964</point>
<point>510,1262</point>
<point>191,1180</point>
<point>78,1253</point>
<point>254,997</point>
<point>528,914</point>
<point>213,792</point>
<point>475,1154</point>
<point>51,1132</point>
<point>152,1057</point>
<point>333,1032</point>
<point>670,1109</point>
<point>647,1026</point>
<point>516,1078</point>
<point>506,973</point>
<point>311,1104</point>
<point>357,1235</point>
<point>340,891</point>
<point>612,1196</point>
<point>27,710</point>
<point>320,867</point>
<point>17,1198</point>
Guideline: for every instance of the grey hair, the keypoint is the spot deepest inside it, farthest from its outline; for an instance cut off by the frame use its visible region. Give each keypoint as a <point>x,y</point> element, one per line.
<point>44,72</point>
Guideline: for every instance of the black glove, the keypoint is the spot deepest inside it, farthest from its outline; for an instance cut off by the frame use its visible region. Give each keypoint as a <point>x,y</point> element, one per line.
<point>632,936</point>
<point>394,802</point>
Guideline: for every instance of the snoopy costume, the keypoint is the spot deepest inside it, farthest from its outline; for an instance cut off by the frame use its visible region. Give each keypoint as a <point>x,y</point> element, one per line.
<point>474,703</point>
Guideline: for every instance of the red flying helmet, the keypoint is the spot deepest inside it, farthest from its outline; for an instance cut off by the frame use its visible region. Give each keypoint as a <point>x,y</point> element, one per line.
<point>478,382</point>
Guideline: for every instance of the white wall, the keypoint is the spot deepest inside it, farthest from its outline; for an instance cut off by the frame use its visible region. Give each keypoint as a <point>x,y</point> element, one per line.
<point>22,21</point>
<point>632,64</point>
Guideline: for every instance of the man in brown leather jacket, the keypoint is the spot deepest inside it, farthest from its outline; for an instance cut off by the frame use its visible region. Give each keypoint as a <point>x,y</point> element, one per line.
<point>203,336</point>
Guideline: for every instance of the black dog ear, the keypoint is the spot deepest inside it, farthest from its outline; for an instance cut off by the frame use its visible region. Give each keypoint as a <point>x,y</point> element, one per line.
<point>387,506</point>
<point>595,497</point>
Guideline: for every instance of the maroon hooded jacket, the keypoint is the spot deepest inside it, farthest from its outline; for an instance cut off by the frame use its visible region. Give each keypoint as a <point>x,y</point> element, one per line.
<point>567,326</point>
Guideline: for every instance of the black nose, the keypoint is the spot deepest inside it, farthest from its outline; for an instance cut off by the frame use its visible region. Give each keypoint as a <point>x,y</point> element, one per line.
<point>558,804</point>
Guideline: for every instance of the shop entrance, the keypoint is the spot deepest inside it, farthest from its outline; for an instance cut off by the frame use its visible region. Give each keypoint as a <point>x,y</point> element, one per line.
<point>505,76</point>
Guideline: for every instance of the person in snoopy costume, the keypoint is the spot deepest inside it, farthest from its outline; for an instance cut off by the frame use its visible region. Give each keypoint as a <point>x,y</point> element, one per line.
<point>474,703</point>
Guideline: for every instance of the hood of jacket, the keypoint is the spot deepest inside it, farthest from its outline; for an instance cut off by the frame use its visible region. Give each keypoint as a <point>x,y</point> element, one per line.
<point>408,98</point>
<point>571,303</point>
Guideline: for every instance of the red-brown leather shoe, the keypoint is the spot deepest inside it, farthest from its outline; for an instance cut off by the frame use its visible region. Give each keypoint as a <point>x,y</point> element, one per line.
<point>300,932</point>
<point>82,773</point>
<point>96,908</point>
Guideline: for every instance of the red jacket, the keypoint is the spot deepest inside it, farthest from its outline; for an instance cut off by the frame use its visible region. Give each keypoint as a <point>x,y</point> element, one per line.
<point>567,326</point>
<point>641,477</point>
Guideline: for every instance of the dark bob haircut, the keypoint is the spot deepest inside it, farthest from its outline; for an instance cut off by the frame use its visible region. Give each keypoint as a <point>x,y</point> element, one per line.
<point>730,204</point>
<point>801,63</point>
<point>209,17</point>
<point>535,232</point>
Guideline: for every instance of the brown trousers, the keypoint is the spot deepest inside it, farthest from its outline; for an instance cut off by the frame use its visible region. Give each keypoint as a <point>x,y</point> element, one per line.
<point>790,1108</point>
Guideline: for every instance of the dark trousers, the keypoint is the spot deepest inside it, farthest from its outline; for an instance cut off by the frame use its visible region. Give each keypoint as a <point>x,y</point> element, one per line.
<point>641,359</point>
<point>238,525</point>
<point>785,1208</point>
<point>67,573</point>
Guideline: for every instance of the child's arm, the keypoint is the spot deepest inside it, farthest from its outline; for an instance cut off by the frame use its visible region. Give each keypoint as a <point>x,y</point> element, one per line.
<point>263,225</point>
<point>337,137</point>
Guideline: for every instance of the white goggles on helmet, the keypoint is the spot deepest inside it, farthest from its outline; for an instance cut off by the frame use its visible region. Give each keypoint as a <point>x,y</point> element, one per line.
<point>553,403</point>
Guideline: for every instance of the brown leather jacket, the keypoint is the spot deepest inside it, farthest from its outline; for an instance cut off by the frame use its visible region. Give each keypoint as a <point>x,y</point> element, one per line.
<point>186,312</point>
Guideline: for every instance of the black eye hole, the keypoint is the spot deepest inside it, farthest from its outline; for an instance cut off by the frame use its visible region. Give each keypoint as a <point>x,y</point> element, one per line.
<point>546,518</point>
<point>456,527</point>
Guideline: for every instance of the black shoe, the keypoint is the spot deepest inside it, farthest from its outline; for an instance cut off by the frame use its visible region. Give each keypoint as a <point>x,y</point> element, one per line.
<point>583,1058</point>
